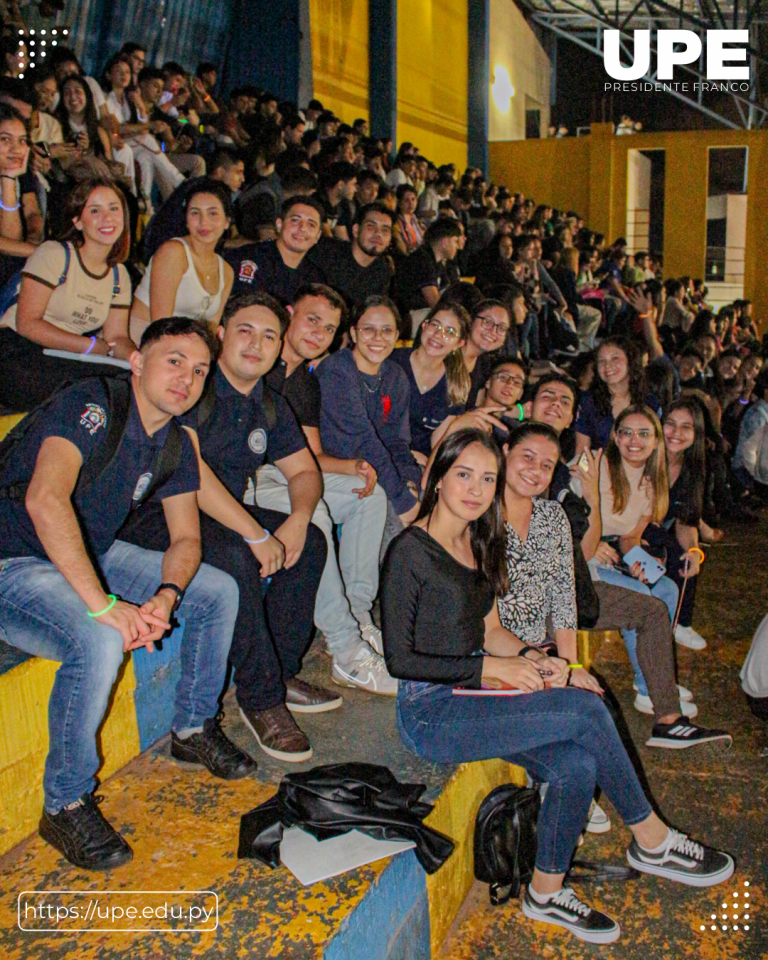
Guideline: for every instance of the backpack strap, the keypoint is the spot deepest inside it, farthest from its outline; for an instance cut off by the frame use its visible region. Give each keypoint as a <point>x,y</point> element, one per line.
<point>67,261</point>
<point>207,402</point>
<point>118,390</point>
<point>115,281</point>
<point>166,464</point>
<point>269,407</point>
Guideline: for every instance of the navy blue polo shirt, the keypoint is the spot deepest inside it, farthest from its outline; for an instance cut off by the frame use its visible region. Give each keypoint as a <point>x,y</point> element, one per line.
<point>236,440</point>
<point>427,410</point>
<point>259,266</point>
<point>80,414</point>
<point>597,426</point>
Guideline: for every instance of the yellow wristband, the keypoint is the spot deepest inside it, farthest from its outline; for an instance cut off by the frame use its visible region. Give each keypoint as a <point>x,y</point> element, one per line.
<point>700,552</point>
<point>575,666</point>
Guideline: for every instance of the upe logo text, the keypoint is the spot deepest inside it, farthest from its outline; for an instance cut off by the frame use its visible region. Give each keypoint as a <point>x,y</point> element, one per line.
<point>668,57</point>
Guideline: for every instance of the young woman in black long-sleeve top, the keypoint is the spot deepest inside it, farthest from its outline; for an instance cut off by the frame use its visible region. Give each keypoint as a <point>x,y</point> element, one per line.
<point>441,630</point>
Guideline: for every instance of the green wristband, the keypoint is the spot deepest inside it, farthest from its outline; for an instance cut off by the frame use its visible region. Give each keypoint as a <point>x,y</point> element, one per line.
<point>113,601</point>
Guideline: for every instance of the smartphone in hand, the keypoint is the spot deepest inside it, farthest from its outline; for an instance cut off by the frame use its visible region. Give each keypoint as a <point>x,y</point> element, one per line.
<point>652,569</point>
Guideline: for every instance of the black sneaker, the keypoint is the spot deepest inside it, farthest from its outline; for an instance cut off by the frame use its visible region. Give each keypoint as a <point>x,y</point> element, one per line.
<point>566,910</point>
<point>681,734</point>
<point>684,860</point>
<point>81,833</point>
<point>212,750</point>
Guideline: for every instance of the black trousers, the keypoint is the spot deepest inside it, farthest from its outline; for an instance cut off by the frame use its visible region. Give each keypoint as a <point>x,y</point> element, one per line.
<point>274,629</point>
<point>27,376</point>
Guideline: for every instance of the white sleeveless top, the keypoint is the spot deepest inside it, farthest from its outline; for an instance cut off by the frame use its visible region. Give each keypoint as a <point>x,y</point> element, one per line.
<point>192,299</point>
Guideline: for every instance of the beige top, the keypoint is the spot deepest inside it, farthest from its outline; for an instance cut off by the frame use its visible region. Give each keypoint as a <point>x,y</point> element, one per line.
<point>640,502</point>
<point>48,129</point>
<point>82,303</point>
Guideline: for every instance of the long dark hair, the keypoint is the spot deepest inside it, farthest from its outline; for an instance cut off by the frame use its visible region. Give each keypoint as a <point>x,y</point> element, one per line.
<point>636,375</point>
<point>690,483</point>
<point>487,532</point>
<point>89,116</point>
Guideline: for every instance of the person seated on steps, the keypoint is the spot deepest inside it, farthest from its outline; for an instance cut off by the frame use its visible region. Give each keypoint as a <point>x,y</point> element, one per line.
<point>238,424</point>
<point>79,467</point>
<point>440,583</point>
<point>351,499</point>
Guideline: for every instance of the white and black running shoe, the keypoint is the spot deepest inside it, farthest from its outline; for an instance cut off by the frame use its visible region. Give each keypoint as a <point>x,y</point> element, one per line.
<point>566,910</point>
<point>681,734</point>
<point>683,860</point>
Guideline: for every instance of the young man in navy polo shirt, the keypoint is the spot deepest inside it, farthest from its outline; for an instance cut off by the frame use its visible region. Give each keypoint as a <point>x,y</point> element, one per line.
<point>71,591</point>
<point>352,499</point>
<point>236,428</point>
<point>281,266</point>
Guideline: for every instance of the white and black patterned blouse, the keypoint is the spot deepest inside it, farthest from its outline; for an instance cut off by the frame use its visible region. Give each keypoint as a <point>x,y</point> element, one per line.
<point>541,582</point>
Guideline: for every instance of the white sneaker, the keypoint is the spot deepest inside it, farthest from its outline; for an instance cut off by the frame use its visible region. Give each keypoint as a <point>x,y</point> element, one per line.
<point>366,671</point>
<point>687,707</point>
<point>687,637</point>
<point>372,636</point>
<point>684,693</point>
<point>599,821</point>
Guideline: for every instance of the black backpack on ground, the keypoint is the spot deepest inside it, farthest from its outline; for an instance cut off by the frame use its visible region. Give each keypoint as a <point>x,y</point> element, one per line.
<point>118,391</point>
<point>505,845</point>
<point>505,840</point>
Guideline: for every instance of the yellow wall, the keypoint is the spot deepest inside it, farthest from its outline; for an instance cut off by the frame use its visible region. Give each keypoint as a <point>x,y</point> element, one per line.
<point>339,34</point>
<point>589,174</point>
<point>541,168</point>
<point>432,79</point>
<point>513,46</point>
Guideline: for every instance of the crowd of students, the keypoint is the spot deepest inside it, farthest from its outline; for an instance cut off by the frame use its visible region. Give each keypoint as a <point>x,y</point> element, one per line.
<point>311,379</point>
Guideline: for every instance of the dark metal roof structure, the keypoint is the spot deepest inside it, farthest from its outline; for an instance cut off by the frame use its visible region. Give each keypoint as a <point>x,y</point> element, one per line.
<point>584,22</point>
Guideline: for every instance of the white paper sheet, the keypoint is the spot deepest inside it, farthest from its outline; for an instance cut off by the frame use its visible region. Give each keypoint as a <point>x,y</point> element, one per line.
<point>88,358</point>
<point>311,860</point>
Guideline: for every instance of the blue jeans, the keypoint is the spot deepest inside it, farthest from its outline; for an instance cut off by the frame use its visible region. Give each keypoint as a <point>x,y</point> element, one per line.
<point>41,614</point>
<point>664,589</point>
<point>565,738</point>
<point>529,336</point>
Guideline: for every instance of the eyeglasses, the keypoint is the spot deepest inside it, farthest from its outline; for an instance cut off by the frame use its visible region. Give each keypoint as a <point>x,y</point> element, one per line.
<point>447,333</point>
<point>388,334</point>
<point>509,378</point>
<point>488,324</point>
<point>643,434</point>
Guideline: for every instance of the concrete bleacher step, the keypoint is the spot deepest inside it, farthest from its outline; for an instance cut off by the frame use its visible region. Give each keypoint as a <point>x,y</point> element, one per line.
<point>183,826</point>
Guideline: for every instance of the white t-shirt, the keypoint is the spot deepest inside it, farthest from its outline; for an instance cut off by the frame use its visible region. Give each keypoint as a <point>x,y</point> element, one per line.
<point>82,303</point>
<point>120,110</point>
<point>98,94</point>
